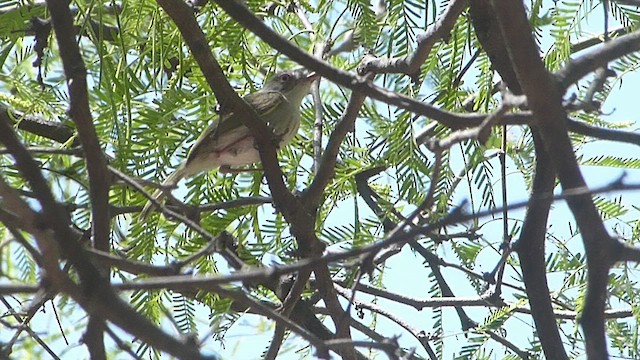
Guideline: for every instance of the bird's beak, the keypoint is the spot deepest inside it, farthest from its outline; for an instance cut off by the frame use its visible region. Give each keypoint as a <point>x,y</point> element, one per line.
<point>313,76</point>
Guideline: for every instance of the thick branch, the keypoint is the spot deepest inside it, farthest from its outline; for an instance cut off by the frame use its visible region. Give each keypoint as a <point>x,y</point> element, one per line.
<point>80,113</point>
<point>55,131</point>
<point>99,181</point>
<point>578,68</point>
<point>545,100</point>
<point>530,248</point>
<point>598,39</point>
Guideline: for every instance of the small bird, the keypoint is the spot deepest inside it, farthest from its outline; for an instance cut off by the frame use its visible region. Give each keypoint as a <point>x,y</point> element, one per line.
<point>228,142</point>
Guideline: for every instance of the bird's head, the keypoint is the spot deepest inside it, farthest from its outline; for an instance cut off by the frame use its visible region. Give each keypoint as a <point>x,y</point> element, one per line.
<point>291,83</point>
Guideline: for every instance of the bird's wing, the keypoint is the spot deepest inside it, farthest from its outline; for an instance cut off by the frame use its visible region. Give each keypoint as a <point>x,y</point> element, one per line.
<point>211,141</point>
<point>265,102</point>
<point>229,128</point>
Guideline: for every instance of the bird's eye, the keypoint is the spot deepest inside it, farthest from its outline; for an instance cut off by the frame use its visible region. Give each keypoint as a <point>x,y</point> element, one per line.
<point>285,77</point>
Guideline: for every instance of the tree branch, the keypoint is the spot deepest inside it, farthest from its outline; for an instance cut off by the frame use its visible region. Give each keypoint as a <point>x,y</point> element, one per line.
<point>410,65</point>
<point>423,340</point>
<point>55,131</point>
<point>530,249</point>
<point>545,100</point>
<point>326,168</point>
<point>616,48</point>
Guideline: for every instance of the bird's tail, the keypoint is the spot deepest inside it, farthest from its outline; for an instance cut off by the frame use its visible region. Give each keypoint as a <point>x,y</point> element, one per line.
<point>159,194</point>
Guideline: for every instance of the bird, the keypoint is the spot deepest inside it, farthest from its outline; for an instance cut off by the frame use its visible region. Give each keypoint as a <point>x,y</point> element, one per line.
<point>228,142</point>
